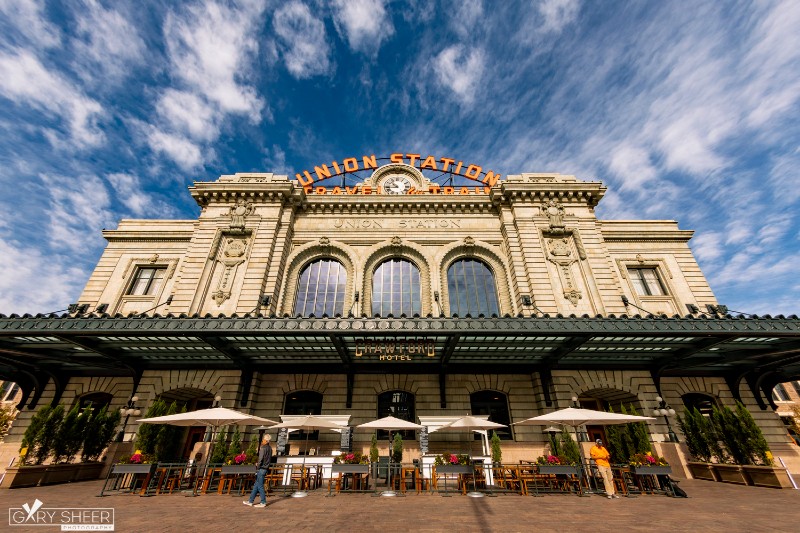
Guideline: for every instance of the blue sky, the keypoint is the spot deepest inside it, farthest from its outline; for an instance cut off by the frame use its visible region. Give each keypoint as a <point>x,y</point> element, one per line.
<point>686,110</point>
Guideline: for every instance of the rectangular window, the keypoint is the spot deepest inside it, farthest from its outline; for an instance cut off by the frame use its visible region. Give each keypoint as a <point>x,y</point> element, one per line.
<point>147,281</point>
<point>779,394</point>
<point>646,282</point>
<point>796,385</point>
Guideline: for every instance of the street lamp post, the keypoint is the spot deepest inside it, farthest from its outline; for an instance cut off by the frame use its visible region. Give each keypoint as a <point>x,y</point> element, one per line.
<point>130,409</point>
<point>666,411</point>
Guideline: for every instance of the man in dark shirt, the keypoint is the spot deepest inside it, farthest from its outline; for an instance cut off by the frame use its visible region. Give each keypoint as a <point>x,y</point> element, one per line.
<point>264,457</point>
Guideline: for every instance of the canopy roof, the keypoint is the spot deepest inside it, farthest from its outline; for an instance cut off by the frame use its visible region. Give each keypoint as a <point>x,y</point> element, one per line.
<point>762,350</point>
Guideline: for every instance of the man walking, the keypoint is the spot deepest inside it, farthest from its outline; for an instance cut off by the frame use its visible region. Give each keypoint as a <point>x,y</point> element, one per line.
<point>601,457</point>
<point>264,457</point>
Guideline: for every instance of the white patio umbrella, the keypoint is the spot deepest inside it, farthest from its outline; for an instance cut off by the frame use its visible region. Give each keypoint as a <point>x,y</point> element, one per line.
<point>390,424</point>
<point>471,423</point>
<point>216,417</point>
<point>309,423</point>
<point>576,417</point>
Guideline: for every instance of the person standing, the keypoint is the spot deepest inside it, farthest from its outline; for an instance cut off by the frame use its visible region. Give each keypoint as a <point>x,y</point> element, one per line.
<point>601,458</point>
<point>264,458</point>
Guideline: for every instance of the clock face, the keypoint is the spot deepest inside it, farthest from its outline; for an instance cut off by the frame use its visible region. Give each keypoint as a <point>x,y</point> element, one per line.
<point>396,185</point>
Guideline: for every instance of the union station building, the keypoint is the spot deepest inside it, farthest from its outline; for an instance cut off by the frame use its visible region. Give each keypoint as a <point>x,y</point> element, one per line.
<point>399,293</point>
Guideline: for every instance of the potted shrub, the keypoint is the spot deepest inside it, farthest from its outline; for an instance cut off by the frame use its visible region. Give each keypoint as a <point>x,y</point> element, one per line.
<point>497,453</point>
<point>99,432</point>
<point>397,448</point>
<point>697,431</point>
<point>649,464</point>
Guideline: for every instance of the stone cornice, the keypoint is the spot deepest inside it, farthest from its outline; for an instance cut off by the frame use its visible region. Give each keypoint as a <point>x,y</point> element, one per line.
<point>543,187</point>
<point>205,193</point>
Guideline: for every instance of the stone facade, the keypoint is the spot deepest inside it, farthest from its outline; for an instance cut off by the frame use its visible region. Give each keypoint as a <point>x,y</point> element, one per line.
<point>537,233</point>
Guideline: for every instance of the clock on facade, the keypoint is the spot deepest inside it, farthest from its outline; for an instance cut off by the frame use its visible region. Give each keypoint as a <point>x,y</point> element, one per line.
<point>396,185</point>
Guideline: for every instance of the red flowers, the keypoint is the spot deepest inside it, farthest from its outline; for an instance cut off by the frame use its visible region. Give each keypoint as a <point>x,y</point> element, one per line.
<point>136,458</point>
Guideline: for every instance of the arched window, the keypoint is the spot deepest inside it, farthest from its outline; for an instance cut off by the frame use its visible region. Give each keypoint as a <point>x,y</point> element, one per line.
<point>303,402</point>
<point>320,290</point>
<point>399,404</point>
<point>396,289</point>
<point>471,287</point>
<point>703,402</point>
<point>95,400</point>
<point>494,404</point>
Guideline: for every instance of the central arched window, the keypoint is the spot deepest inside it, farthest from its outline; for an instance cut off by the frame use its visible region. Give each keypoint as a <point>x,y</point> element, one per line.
<point>395,289</point>
<point>320,290</point>
<point>495,404</point>
<point>399,404</point>
<point>471,287</point>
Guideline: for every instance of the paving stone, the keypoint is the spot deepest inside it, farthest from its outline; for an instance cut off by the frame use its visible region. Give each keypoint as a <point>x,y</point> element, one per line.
<point>710,507</point>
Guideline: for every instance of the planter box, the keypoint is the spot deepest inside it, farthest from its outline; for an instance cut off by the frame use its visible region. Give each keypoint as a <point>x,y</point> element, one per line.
<point>731,474</point>
<point>23,476</point>
<point>768,476</point>
<point>89,471</point>
<point>454,469</point>
<point>349,469</point>
<point>703,471</point>
<point>566,470</point>
<point>133,469</point>
<point>651,470</point>
<point>61,473</point>
<point>237,469</point>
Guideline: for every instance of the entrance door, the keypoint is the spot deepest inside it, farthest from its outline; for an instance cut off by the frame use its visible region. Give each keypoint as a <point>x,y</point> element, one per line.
<point>195,435</point>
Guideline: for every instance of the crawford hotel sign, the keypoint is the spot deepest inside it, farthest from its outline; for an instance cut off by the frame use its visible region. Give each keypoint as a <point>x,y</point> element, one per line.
<point>310,180</point>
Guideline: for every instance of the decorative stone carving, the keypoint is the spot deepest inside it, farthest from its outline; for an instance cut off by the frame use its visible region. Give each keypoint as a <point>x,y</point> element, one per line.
<point>397,242</point>
<point>469,245</point>
<point>239,213</point>
<point>153,258</point>
<point>560,254</point>
<point>232,257</point>
<point>555,213</point>
<point>324,241</point>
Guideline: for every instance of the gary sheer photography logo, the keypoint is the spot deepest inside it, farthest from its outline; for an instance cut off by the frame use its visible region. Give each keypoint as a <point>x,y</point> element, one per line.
<point>66,518</point>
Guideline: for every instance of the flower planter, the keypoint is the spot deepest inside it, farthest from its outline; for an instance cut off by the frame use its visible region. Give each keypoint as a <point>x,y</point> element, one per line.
<point>60,473</point>
<point>454,469</point>
<point>566,470</point>
<point>349,469</point>
<point>89,471</point>
<point>703,471</point>
<point>731,474</point>
<point>768,476</point>
<point>651,470</point>
<point>237,469</point>
<point>133,469</point>
<point>23,476</point>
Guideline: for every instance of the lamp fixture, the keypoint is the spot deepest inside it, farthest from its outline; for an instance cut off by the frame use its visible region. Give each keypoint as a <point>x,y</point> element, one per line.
<point>662,409</point>
<point>130,409</point>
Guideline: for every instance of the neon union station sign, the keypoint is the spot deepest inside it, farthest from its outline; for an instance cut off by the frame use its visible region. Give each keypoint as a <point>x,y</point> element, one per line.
<point>310,179</point>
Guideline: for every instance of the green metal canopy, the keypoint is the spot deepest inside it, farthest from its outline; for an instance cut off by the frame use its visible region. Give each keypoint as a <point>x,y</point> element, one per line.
<point>35,350</point>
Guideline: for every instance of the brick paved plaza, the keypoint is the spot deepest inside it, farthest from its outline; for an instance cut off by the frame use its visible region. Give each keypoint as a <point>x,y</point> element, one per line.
<point>711,507</point>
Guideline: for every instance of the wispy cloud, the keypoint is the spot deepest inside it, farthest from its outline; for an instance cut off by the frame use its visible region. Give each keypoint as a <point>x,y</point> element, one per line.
<point>107,46</point>
<point>26,81</point>
<point>211,49</point>
<point>302,41</point>
<point>459,69</point>
<point>24,20</point>
<point>364,23</point>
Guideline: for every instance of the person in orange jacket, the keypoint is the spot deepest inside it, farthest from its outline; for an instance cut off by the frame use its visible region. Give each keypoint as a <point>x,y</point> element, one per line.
<point>601,458</point>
